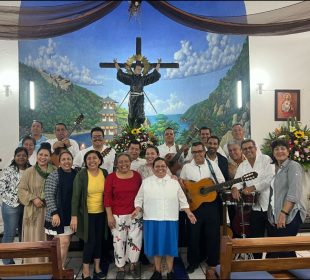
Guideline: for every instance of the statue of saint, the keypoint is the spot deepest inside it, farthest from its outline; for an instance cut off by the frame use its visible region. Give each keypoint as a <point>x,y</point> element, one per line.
<point>136,81</point>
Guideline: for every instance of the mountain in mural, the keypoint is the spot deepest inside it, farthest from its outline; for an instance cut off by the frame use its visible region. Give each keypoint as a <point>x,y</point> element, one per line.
<point>220,110</point>
<point>56,100</point>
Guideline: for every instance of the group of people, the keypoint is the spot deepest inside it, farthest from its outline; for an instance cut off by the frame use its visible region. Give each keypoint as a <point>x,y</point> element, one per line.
<point>96,193</point>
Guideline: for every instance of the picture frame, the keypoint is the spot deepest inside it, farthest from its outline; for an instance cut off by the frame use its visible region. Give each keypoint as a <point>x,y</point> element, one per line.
<point>287,104</point>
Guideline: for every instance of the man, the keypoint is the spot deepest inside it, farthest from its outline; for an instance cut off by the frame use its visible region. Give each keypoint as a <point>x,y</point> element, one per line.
<point>262,165</point>
<point>234,160</point>
<point>97,138</point>
<point>207,214</point>
<point>36,133</point>
<point>213,144</point>
<point>204,134</point>
<point>235,157</point>
<point>134,149</point>
<point>62,141</point>
<point>237,132</point>
<point>136,115</point>
<point>170,148</point>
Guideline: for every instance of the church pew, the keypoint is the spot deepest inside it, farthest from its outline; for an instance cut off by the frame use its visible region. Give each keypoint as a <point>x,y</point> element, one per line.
<point>50,270</point>
<point>262,268</point>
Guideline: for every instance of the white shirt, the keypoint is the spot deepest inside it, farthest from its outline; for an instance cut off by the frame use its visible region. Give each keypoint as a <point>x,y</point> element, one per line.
<point>164,150</point>
<point>135,164</point>
<point>216,160</point>
<point>108,160</point>
<point>73,149</point>
<point>194,172</point>
<point>263,167</point>
<point>161,199</point>
<point>33,158</point>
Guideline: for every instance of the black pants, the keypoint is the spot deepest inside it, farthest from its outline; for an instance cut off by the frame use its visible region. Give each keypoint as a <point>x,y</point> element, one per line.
<point>290,229</point>
<point>258,225</point>
<point>207,228</point>
<point>93,246</point>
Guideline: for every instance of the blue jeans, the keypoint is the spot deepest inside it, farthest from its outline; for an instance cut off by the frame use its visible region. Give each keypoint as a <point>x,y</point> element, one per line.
<point>12,219</point>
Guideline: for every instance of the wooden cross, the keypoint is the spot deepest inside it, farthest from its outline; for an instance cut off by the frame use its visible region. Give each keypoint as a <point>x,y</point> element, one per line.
<point>138,52</point>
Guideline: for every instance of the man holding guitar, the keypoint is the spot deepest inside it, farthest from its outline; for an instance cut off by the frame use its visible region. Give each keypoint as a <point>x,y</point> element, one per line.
<point>261,164</point>
<point>62,141</point>
<point>97,138</point>
<point>170,150</point>
<point>207,214</point>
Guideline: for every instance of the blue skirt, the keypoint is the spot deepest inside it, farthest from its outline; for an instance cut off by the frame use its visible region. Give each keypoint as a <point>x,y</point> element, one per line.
<point>160,238</point>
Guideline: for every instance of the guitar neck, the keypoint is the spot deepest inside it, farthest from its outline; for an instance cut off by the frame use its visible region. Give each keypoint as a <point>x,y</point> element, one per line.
<point>220,186</point>
<point>178,154</point>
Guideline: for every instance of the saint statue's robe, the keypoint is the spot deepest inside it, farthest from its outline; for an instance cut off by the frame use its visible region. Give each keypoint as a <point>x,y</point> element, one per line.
<point>136,115</point>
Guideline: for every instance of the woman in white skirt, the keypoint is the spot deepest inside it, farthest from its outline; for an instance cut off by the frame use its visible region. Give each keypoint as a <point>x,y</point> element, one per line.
<point>160,198</point>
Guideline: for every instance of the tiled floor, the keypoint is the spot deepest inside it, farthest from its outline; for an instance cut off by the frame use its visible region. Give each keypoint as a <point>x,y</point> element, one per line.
<point>74,261</point>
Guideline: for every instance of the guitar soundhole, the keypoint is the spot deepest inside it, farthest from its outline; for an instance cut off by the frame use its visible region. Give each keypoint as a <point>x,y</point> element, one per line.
<point>203,191</point>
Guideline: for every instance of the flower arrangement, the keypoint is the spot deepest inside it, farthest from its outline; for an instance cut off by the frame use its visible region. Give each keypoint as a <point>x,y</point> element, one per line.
<point>128,134</point>
<point>298,140</point>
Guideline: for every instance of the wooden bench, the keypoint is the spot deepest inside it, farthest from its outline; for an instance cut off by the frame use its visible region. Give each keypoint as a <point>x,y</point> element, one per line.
<point>277,268</point>
<point>52,269</point>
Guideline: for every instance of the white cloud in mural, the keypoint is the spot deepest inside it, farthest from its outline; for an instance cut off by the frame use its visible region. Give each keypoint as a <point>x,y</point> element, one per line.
<point>51,62</point>
<point>220,53</point>
<point>171,105</point>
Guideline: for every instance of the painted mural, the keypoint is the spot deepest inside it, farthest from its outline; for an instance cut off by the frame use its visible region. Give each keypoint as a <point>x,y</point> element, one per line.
<point>202,91</point>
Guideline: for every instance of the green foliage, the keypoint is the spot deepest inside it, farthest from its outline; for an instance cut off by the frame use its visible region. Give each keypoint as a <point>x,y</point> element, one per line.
<point>160,125</point>
<point>54,104</point>
<point>206,113</point>
<point>121,116</point>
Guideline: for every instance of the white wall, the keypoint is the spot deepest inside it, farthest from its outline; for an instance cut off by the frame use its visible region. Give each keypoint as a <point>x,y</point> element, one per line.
<point>9,117</point>
<point>286,62</point>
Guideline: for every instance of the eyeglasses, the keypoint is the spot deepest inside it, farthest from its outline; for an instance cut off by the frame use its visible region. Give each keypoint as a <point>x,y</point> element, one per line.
<point>198,152</point>
<point>97,137</point>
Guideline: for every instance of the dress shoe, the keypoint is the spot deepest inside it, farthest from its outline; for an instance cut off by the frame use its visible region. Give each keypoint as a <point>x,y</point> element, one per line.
<point>170,275</point>
<point>99,275</point>
<point>191,268</point>
<point>156,275</point>
<point>86,278</point>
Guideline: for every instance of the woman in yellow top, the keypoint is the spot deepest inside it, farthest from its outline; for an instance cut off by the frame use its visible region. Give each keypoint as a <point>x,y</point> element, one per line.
<point>88,215</point>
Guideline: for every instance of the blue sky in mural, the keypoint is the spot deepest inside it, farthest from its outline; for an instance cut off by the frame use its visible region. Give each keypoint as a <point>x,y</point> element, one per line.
<point>204,57</point>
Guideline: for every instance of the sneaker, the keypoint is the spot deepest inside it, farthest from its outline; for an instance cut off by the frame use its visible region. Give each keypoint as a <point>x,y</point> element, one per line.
<point>170,275</point>
<point>120,274</point>
<point>156,275</point>
<point>99,275</point>
<point>191,268</point>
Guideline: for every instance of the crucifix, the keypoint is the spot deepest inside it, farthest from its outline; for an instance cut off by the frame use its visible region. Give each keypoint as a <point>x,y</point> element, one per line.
<point>136,81</point>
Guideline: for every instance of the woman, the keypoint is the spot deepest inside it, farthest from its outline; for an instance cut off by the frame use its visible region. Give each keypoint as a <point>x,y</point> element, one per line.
<point>120,191</point>
<point>88,216</point>
<point>31,195</point>
<point>58,196</point>
<point>161,197</point>
<point>146,170</point>
<point>30,143</point>
<point>285,212</point>
<point>12,210</point>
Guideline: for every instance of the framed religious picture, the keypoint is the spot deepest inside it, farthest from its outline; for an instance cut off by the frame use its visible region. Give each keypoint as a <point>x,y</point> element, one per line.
<point>287,104</point>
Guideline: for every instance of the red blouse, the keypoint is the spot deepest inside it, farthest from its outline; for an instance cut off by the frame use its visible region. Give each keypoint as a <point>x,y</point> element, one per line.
<point>120,194</point>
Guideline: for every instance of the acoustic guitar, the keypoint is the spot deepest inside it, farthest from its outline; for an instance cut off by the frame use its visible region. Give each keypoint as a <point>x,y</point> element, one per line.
<point>206,191</point>
<point>173,163</point>
<point>57,151</point>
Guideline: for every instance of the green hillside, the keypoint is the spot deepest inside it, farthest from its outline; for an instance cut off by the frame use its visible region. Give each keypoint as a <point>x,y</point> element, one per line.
<point>220,110</point>
<point>54,104</point>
